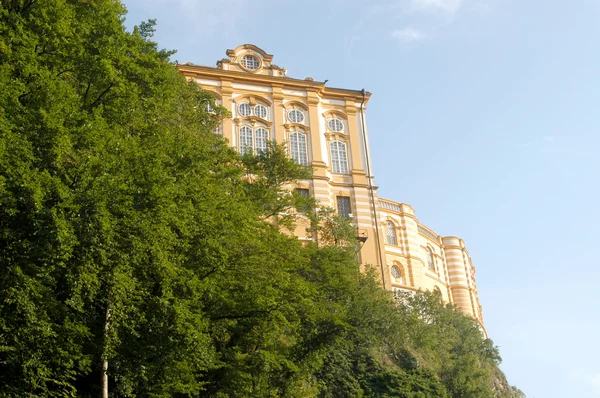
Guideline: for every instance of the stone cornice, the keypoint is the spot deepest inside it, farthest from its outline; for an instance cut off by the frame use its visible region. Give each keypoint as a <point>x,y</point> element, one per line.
<point>199,71</point>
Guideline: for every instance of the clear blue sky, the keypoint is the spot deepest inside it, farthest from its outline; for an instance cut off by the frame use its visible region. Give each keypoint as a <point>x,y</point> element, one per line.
<point>485,118</point>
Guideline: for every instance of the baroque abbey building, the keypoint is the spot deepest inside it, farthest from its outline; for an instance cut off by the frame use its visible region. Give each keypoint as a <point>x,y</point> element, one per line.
<point>325,128</point>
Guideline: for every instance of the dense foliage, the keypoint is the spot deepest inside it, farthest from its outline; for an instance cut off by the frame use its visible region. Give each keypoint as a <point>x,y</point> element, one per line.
<point>133,238</point>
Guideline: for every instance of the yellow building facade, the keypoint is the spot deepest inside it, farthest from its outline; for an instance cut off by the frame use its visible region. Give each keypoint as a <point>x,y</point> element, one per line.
<point>325,128</point>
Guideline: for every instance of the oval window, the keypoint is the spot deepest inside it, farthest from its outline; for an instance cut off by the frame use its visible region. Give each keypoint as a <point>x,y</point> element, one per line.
<point>335,124</point>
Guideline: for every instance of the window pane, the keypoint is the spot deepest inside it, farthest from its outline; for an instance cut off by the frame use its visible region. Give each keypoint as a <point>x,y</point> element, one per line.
<point>262,136</point>
<point>260,111</point>
<point>250,62</point>
<point>302,207</point>
<point>390,234</point>
<point>245,140</point>
<point>298,148</point>
<point>296,116</point>
<point>430,261</point>
<point>343,206</point>
<point>335,124</point>
<point>302,192</point>
<point>397,274</point>
<point>339,161</point>
<point>245,109</point>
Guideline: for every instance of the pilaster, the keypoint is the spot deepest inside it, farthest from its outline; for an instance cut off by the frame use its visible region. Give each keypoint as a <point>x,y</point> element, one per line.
<point>227,102</point>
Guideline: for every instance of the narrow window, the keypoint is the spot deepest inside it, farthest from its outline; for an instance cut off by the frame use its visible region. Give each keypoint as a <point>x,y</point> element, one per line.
<point>343,206</point>
<point>303,193</point>
<point>390,234</point>
<point>245,140</point>
<point>298,148</point>
<point>339,160</point>
<point>262,136</point>
<point>430,260</point>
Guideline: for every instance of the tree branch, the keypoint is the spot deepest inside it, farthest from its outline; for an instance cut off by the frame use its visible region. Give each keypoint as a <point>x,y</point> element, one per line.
<point>95,103</point>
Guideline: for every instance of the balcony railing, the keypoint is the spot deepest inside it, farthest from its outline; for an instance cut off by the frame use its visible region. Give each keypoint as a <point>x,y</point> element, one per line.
<point>429,233</point>
<point>384,204</point>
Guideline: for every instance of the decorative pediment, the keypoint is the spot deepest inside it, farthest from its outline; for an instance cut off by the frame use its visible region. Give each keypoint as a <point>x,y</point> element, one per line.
<point>250,59</point>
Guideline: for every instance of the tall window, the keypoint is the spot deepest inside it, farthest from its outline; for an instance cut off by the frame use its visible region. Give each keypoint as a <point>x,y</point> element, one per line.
<point>262,136</point>
<point>430,260</point>
<point>339,160</point>
<point>253,140</point>
<point>390,233</point>
<point>303,193</point>
<point>298,148</point>
<point>343,206</point>
<point>245,140</point>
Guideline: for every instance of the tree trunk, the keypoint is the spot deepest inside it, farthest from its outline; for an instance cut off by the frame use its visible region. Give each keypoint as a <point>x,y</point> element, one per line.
<point>104,359</point>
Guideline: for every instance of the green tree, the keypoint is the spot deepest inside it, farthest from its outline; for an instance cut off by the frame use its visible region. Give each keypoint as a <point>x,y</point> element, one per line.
<point>141,256</point>
<point>107,170</point>
<point>269,177</point>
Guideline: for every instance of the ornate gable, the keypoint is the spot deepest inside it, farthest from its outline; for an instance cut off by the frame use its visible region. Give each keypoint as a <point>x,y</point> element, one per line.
<point>250,59</point>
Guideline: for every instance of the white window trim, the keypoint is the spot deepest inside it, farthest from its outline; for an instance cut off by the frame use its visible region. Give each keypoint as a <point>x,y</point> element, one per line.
<point>339,162</point>
<point>304,161</point>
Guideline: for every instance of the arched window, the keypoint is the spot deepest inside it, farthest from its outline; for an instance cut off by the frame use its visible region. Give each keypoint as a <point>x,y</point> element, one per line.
<point>245,109</point>
<point>430,260</point>
<point>339,160</point>
<point>295,116</point>
<point>397,275</point>
<point>250,62</point>
<point>390,233</point>
<point>261,111</point>
<point>245,140</point>
<point>262,136</point>
<point>335,124</point>
<point>298,148</point>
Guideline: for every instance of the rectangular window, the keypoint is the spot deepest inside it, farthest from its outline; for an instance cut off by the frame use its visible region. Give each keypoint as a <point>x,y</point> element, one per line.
<point>262,136</point>
<point>343,206</point>
<point>298,148</point>
<point>302,205</point>
<point>339,160</point>
<point>302,192</point>
<point>246,140</point>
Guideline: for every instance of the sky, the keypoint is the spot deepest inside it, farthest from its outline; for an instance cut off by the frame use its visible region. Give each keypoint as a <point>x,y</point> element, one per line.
<point>484,117</point>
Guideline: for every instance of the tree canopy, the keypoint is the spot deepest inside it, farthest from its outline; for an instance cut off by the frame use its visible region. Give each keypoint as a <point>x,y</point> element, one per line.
<point>135,243</point>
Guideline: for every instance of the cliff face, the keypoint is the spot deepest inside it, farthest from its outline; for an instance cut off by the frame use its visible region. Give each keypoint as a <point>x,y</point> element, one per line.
<point>502,388</point>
